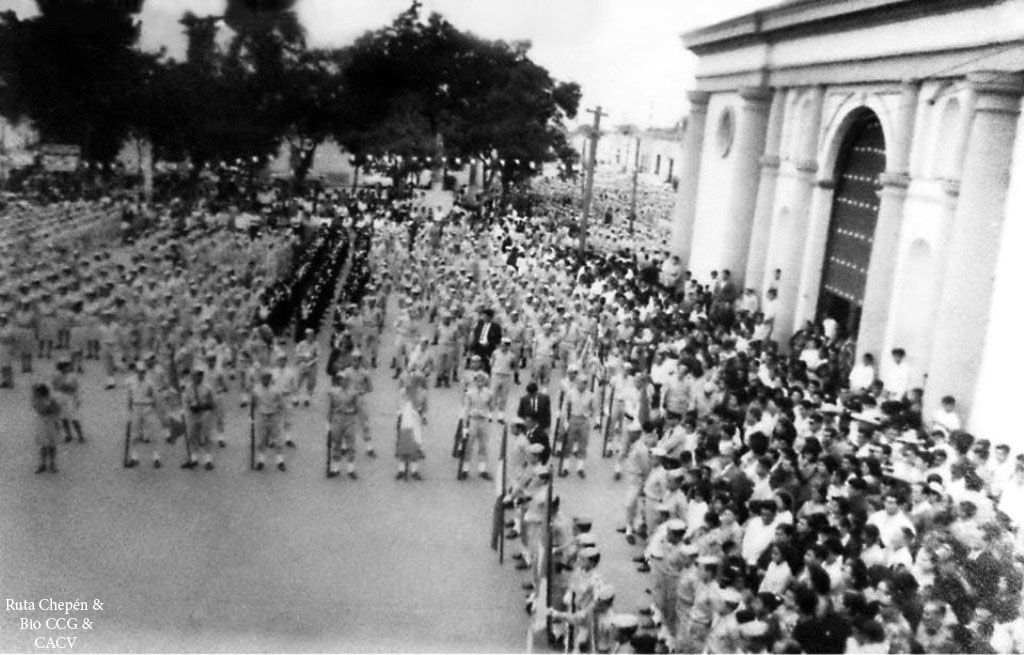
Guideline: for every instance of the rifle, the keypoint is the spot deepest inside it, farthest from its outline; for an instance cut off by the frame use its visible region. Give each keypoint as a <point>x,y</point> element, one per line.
<point>127,432</point>
<point>501,495</point>
<point>252,432</point>
<point>458,439</point>
<point>570,627</point>
<point>548,560</point>
<point>565,438</point>
<point>327,464</point>
<point>181,404</point>
<point>498,513</point>
<point>460,433</point>
<point>608,424</point>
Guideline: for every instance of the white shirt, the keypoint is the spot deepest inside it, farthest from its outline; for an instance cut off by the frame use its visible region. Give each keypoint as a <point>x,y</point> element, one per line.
<point>948,420</point>
<point>897,379</point>
<point>756,538</point>
<point>861,377</point>
<point>889,525</point>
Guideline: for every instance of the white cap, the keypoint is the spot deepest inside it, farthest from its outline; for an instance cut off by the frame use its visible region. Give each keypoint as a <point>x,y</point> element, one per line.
<point>675,525</point>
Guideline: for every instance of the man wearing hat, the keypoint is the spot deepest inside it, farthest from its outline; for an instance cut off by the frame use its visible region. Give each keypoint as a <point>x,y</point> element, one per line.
<point>343,412</point>
<point>447,339</point>
<point>307,354</point>
<point>544,345</point>
<point>523,481</point>
<point>666,563</point>
<point>199,406</point>
<point>655,489</point>
<point>637,467</point>
<point>486,337</point>
<point>142,402</point>
<point>516,333</point>
<point>503,366</point>
<point>110,339</point>
<point>65,385</point>
<point>580,409</point>
<point>706,599</point>
<point>724,636</point>
<point>24,321</point>
<point>536,405</point>
<point>477,406</point>
<point>595,630</point>
<point>686,589</point>
<point>284,380</point>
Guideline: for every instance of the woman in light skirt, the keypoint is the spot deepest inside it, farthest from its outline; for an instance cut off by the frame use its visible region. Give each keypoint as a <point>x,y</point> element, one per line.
<point>412,416</point>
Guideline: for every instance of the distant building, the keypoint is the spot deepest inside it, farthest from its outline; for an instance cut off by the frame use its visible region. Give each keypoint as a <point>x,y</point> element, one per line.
<point>871,150</point>
<point>660,151</point>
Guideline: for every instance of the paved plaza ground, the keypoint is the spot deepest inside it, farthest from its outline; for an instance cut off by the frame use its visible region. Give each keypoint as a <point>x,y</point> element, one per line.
<point>235,560</point>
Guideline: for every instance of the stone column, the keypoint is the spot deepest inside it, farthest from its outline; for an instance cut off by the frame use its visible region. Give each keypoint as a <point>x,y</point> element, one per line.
<point>966,297</point>
<point>760,234</point>
<point>684,213</point>
<point>749,147</point>
<point>885,248</point>
<point>997,397</point>
<point>799,204</point>
<point>815,242</point>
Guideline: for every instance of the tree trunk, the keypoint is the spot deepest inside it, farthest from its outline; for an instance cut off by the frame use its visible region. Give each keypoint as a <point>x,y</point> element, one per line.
<point>303,159</point>
<point>437,165</point>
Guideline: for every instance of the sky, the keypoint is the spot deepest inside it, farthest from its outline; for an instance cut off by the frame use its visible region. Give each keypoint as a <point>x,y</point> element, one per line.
<point>626,54</point>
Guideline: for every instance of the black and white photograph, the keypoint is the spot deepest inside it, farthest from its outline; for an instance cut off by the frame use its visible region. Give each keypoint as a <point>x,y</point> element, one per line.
<point>511,326</point>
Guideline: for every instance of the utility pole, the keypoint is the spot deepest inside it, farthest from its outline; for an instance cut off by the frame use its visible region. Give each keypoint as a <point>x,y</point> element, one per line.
<point>632,203</point>
<point>588,193</point>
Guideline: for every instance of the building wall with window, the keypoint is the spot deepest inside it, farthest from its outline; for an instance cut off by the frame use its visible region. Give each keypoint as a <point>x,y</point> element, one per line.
<point>870,150</point>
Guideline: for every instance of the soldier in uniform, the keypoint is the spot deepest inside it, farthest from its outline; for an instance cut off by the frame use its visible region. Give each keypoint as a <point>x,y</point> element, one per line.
<point>214,375</point>
<point>8,352</point>
<point>306,356</point>
<point>705,603</point>
<point>375,320</point>
<point>503,366</point>
<point>199,419</point>
<point>447,340</point>
<point>666,562</point>
<point>48,428</point>
<point>580,409</point>
<point>516,332</point>
<point>544,355</point>
<point>110,347</point>
<point>65,387</point>
<point>24,320</point>
<point>343,410</point>
<point>638,467</point>
<point>46,326</point>
<point>477,406</point>
<point>284,381</point>
<point>142,402</point>
<point>363,385</point>
<point>268,405</point>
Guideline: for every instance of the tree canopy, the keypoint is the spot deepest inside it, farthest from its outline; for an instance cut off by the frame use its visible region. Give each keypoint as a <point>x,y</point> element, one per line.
<point>412,91</point>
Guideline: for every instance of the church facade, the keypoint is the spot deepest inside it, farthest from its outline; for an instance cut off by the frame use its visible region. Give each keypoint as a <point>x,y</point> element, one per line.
<point>866,157</point>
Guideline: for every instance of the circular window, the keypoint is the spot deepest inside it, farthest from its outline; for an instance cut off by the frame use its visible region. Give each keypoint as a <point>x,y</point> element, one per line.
<point>724,133</point>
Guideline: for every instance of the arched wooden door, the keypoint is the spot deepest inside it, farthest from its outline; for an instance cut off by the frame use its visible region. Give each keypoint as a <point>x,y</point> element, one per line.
<point>851,230</point>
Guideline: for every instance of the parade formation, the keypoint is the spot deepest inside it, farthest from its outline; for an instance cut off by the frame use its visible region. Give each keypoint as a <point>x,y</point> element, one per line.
<point>359,352</point>
<point>776,495</point>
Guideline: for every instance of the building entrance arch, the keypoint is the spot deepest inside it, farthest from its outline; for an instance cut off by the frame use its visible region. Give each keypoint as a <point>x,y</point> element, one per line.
<point>854,215</point>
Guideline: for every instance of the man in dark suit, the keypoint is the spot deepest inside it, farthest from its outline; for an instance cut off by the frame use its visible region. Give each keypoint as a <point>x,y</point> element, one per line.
<point>537,406</point>
<point>486,338</point>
